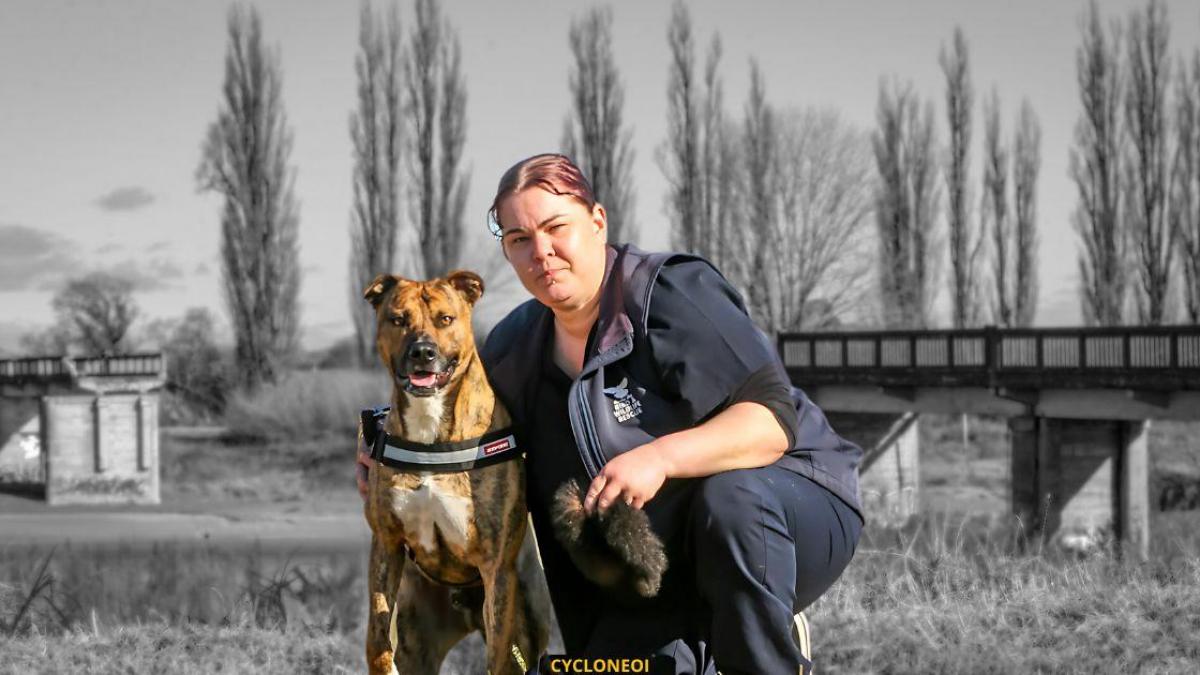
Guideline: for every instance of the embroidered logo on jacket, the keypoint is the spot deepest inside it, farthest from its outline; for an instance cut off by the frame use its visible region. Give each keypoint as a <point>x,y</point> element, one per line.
<point>625,406</point>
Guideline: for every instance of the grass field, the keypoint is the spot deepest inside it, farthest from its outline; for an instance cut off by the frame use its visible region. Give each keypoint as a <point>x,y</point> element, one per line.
<point>956,591</point>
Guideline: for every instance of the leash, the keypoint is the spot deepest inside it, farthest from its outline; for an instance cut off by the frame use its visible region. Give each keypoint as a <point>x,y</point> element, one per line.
<point>472,453</point>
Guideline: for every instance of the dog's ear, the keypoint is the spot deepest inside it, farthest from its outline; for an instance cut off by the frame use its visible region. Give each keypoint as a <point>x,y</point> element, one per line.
<point>468,283</point>
<point>379,288</point>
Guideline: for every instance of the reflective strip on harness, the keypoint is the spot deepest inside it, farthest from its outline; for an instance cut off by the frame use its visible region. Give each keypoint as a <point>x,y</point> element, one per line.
<point>481,451</point>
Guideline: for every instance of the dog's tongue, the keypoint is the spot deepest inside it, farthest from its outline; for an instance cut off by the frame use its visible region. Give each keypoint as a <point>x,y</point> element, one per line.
<point>423,379</point>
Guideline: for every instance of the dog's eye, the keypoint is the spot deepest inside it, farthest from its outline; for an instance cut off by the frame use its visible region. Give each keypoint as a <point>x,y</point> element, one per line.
<point>400,320</point>
<point>445,320</point>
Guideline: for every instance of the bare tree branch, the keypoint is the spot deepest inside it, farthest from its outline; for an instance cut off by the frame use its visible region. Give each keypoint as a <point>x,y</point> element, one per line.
<point>1026,163</point>
<point>99,308</point>
<point>375,131</point>
<point>1184,211</point>
<point>436,129</point>
<point>1146,165</point>
<point>995,216</point>
<point>245,158</point>
<point>600,145</point>
<point>1096,171</point>
<point>965,241</point>
<point>906,206</point>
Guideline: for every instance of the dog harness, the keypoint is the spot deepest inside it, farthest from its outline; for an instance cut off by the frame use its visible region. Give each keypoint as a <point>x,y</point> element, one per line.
<point>491,448</point>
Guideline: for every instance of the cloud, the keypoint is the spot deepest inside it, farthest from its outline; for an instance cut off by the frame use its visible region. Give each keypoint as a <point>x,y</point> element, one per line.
<point>108,248</point>
<point>202,270</point>
<point>156,274</point>
<point>29,256</point>
<point>32,259</point>
<point>158,246</point>
<point>128,198</point>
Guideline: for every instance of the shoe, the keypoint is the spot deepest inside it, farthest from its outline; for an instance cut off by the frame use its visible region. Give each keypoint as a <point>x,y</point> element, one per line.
<point>800,634</point>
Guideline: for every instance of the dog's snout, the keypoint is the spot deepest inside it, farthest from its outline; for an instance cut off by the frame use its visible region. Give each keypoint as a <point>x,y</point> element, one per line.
<point>422,351</point>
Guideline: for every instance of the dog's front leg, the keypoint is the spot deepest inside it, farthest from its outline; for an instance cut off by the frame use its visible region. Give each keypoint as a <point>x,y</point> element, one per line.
<point>383,581</point>
<point>509,630</point>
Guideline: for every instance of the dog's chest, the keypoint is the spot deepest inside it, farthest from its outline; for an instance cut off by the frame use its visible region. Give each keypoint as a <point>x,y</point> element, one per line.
<point>432,505</point>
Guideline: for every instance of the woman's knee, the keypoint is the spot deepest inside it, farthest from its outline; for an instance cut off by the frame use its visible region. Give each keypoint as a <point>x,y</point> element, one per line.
<point>727,502</point>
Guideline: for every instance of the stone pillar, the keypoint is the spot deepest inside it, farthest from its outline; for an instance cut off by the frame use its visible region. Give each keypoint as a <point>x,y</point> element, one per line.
<point>1080,482</point>
<point>1134,493</point>
<point>889,475</point>
<point>1024,435</point>
<point>101,450</point>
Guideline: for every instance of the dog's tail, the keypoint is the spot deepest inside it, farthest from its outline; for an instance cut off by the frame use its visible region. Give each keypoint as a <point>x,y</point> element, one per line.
<point>613,549</point>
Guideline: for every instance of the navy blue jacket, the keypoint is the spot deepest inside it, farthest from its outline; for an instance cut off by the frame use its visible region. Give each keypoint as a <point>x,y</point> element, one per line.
<point>629,392</point>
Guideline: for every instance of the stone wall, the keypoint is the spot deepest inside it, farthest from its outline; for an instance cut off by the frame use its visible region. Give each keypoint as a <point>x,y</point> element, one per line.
<point>103,449</point>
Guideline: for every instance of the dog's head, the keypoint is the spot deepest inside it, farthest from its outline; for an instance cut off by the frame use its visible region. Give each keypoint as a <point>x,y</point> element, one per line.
<point>423,328</point>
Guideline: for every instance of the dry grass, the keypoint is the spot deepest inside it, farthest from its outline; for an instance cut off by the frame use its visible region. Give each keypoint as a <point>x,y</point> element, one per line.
<point>307,404</point>
<point>187,609</point>
<point>948,594</point>
<point>945,595</point>
<point>952,595</point>
<point>189,649</point>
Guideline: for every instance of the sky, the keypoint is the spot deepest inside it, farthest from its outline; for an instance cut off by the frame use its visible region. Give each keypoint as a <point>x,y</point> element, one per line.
<point>104,104</point>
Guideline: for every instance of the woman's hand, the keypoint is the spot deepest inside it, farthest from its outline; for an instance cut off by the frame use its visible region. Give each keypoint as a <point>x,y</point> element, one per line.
<point>634,477</point>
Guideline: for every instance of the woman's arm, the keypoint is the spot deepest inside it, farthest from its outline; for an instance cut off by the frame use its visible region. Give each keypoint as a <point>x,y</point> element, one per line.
<point>743,436</point>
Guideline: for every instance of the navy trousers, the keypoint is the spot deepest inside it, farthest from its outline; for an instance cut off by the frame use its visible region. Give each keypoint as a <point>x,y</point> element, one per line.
<point>762,544</point>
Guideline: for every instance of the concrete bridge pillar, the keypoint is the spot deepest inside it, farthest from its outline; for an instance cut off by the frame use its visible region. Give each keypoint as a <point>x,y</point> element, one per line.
<point>84,430</point>
<point>889,474</point>
<point>1078,482</point>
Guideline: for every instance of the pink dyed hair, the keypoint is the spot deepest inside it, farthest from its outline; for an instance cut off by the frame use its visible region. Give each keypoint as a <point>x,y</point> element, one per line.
<point>552,172</point>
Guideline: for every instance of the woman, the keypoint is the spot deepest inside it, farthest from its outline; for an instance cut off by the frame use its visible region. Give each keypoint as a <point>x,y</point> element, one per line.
<point>642,377</point>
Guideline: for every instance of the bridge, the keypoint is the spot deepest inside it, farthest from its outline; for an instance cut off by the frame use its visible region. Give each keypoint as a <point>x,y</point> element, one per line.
<point>1078,403</point>
<point>83,430</point>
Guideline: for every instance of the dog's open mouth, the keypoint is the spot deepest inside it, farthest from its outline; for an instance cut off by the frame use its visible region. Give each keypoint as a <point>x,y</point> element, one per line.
<point>426,382</point>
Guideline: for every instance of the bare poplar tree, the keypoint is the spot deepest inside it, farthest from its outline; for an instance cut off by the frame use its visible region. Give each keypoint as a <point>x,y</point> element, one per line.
<point>245,159</point>
<point>594,135</point>
<point>435,132</point>
<point>719,165</point>
<point>375,131</point>
<point>995,216</point>
<point>906,203</point>
<point>1185,186</point>
<point>821,259</point>
<point>759,220</point>
<point>99,308</point>
<point>680,156</point>
<point>692,158</point>
<point>965,240</point>
<point>1026,163</point>
<point>1096,171</point>
<point>1146,183</point>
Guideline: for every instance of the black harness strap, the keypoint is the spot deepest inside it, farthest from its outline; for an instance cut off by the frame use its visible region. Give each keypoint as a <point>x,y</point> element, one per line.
<point>493,447</point>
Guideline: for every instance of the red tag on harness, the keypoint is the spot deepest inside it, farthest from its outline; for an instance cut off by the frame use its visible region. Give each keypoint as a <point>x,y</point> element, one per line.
<point>496,446</point>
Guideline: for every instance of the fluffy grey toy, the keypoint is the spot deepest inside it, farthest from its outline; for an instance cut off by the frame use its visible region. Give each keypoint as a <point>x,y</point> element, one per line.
<point>615,549</point>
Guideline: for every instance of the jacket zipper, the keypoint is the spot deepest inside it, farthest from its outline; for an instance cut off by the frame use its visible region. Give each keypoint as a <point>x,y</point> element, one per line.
<point>591,456</point>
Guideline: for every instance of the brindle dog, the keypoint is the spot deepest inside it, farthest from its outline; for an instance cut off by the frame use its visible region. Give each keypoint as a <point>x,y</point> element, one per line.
<point>458,528</point>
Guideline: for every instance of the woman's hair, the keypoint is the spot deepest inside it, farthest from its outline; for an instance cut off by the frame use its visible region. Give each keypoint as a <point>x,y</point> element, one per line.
<point>551,172</point>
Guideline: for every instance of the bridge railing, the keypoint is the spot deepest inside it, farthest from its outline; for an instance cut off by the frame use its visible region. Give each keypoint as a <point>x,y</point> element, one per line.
<point>1155,356</point>
<point>56,367</point>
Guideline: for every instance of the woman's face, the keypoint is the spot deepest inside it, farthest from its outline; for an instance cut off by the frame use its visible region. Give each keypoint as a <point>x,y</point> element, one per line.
<point>555,245</point>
